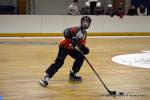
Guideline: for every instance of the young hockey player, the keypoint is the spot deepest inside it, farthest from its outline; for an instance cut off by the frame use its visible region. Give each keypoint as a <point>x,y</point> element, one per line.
<point>74,36</point>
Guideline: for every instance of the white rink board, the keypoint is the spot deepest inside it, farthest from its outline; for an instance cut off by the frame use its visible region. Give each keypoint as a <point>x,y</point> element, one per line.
<point>57,23</point>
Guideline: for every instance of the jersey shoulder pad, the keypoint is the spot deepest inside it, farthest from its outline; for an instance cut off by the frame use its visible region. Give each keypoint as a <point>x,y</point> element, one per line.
<point>73,29</point>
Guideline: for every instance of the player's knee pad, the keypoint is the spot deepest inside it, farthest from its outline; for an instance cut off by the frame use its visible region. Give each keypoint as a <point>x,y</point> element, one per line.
<point>84,49</point>
<point>78,63</point>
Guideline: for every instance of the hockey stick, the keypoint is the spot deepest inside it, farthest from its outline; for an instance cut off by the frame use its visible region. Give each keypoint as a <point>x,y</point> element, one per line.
<point>112,93</point>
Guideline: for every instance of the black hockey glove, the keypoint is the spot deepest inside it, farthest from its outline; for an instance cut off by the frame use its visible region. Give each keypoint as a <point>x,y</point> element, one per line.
<point>84,50</point>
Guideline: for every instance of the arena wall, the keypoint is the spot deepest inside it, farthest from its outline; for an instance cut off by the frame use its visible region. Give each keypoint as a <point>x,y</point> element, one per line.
<point>53,25</point>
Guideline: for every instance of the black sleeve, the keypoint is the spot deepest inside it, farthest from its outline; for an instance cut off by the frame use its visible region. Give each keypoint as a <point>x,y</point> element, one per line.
<point>67,33</point>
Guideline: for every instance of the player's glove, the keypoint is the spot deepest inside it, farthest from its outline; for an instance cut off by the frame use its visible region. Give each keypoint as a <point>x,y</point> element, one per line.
<point>74,41</point>
<point>84,50</point>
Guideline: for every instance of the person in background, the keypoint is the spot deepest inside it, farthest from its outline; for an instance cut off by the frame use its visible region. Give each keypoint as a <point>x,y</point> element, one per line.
<point>120,10</point>
<point>142,10</point>
<point>99,9</point>
<point>86,9</point>
<point>92,5</point>
<point>73,9</point>
<point>132,11</point>
<point>110,11</point>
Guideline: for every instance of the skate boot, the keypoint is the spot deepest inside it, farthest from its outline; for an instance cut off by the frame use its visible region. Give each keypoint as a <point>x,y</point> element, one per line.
<point>74,78</point>
<point>44,81</point>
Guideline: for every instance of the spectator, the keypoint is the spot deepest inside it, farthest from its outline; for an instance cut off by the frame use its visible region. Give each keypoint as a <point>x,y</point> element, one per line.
<point>142,10</point>
<point>73,9</point>
<point>110,11</point>
<point>92,5</point>
<point>86,10</point>
<point>99,9</point>
<point>120,10</point>
<point>132,11</point>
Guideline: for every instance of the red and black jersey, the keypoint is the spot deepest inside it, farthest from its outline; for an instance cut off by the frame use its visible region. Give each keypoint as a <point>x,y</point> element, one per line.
<point>77,32</point>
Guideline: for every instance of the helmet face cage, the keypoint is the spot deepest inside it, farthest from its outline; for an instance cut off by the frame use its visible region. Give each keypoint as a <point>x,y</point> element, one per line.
<point>85,18</point>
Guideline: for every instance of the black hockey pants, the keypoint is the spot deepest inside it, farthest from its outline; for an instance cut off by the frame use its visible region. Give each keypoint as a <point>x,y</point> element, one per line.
<point>62,53</point>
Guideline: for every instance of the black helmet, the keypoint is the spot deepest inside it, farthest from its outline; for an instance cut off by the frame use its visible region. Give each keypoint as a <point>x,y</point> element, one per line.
<point>86,18</point>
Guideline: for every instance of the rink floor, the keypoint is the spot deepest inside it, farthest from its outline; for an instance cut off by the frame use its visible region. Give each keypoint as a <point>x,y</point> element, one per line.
<point>24,60</point>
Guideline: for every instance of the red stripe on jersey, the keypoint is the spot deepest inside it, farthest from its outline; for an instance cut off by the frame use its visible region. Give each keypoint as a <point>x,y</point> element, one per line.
<point>73,30</point>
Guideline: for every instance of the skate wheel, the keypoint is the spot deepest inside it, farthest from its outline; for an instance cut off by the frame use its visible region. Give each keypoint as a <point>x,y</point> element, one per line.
<point>75,81</point>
